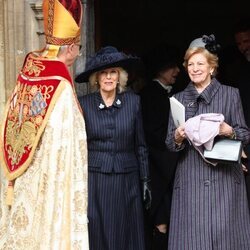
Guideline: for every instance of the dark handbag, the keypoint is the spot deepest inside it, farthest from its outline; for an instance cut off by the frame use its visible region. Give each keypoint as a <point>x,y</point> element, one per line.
<point>225,151</point>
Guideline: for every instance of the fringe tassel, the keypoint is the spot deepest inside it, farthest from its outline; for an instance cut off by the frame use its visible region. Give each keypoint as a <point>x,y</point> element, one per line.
<point>10,193</point>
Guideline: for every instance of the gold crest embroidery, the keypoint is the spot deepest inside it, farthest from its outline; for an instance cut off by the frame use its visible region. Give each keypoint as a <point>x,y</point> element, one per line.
<point>28,108</point>
<point>20,218</point>
<point>19,138</point>
<point>33,67</point>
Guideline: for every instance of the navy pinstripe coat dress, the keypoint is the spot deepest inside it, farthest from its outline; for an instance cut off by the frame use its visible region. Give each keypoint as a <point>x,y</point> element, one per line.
<point>117,159</point>
<point>209,207</point>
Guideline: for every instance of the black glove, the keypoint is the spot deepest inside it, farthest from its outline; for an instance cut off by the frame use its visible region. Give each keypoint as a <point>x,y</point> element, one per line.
<point>146,193</point>
<point>245,167</point>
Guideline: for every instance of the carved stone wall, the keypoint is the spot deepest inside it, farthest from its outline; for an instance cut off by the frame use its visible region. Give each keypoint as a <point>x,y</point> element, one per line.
<point>2,68</point>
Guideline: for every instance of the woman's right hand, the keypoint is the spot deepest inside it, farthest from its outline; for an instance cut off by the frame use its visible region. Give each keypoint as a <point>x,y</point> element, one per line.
<point>226,130</point>
<point>179,135</point>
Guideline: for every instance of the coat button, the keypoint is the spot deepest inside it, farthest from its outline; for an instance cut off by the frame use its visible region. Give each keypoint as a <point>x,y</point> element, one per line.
<point>207,182</point>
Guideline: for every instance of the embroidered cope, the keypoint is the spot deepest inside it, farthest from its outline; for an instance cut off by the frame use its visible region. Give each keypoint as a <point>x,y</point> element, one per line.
<point>49,209</point>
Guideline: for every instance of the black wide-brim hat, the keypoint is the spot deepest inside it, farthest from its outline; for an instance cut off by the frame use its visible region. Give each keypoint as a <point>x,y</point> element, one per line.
<point>107,57</point>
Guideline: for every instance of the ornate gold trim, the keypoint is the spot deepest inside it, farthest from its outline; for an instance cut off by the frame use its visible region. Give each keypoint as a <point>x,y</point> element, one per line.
<point>62,41</point>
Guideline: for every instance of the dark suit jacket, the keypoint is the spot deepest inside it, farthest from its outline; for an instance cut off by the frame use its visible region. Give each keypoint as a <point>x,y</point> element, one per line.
<point>115,134</point>
<point>155,110</point>
<point>237,74</point>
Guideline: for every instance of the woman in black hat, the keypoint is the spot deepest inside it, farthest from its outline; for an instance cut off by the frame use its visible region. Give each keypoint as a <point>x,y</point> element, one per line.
<point>117,154</point>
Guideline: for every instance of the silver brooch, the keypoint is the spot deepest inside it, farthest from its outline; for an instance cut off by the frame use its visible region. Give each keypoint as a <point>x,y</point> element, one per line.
<point>101,106</point>
<point>118,102</point>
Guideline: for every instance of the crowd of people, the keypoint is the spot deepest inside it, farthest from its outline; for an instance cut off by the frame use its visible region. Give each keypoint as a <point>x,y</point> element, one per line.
<point>111,170</point>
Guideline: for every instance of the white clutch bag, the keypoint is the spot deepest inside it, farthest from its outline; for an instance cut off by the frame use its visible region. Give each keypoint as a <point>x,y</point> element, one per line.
<point>225,151</point>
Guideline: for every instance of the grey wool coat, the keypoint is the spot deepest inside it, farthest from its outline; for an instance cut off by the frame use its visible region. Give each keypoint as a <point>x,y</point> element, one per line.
<point>209,207</point>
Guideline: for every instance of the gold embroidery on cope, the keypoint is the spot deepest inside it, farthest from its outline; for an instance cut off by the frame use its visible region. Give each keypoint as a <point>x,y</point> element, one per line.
<point>28,107</point>
<point>33,67</point>
<point>20,218</point>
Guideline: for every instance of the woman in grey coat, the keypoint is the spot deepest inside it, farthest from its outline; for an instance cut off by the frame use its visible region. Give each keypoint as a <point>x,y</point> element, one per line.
<point>209,207</point>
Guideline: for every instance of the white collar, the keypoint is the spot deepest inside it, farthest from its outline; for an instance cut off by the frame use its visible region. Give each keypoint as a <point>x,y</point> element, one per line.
<point>166,87</point>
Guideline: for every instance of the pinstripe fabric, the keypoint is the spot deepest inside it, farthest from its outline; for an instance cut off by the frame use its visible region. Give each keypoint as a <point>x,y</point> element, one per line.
<point>115,214</point>
<point>117,159</point>
<point>115,134</point>
<point>209,208</point>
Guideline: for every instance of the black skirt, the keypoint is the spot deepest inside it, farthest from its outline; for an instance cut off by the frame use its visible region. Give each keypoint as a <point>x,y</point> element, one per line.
<point>115,212</point>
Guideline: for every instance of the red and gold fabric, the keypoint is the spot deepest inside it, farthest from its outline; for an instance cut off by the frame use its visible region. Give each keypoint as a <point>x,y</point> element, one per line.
<point>44,152</point>
<point>37,90</point>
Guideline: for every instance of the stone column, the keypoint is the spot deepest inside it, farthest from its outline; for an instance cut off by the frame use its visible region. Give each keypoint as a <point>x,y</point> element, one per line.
<point>12,45</point>
<point>2,66</point>
<point>87,41</point>
<point>19,34</point>
<point>35,29</point>
<point>14,41</point>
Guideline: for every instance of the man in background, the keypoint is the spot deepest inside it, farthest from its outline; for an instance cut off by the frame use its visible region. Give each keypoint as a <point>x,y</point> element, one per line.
<point>162,64</point>
<point>235,71</point>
